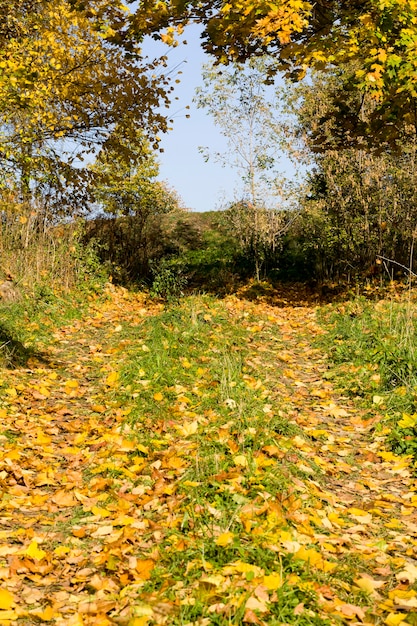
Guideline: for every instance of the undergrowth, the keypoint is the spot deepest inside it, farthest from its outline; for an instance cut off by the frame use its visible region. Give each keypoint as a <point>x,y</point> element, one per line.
<point>53,276</point>
<point>373,350</point>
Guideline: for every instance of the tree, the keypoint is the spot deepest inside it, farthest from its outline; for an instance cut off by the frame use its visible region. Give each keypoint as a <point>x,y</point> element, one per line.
<point>360,205</point>
<point>69,86</point>
<point>130,187</point>
<point>380,37</point>
<point>247,116</point>
<point>133,201</point>
<point>71,68</point>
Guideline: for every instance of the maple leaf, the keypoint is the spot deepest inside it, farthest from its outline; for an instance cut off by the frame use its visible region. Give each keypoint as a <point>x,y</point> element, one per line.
<point>6,599</point>
<point>225,539</point>
<point>35,552</point>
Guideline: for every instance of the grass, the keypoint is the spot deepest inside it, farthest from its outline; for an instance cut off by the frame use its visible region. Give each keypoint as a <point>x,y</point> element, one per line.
<point>373,351</point>
<point>25,326</point>
<point>215,511</point>
<point>220,484</point>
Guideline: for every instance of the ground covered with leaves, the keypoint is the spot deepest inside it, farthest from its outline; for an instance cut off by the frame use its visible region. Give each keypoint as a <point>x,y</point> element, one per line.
<point>197,464</point>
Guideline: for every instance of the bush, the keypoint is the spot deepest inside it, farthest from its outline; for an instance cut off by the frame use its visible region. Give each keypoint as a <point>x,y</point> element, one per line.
<point>168,279</point>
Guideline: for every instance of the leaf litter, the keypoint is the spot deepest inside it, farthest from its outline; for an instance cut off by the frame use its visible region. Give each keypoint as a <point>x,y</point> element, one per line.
<point>195,466</point>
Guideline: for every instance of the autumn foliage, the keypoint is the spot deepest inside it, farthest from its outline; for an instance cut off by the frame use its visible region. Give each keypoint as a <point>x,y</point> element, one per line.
<point>196,465</point>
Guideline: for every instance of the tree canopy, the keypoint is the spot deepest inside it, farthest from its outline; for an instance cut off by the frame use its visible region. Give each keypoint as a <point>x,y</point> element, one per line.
<point>73,78</point>
<point>72,69</point>
<point>378,36</point>
<point>69,86</point>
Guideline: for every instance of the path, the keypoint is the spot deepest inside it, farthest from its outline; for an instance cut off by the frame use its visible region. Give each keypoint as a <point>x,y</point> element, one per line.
<point>76,548</point>
<point>369,495</point>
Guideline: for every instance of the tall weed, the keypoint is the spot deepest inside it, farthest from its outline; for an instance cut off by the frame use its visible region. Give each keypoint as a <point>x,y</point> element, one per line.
<point>50,272</point>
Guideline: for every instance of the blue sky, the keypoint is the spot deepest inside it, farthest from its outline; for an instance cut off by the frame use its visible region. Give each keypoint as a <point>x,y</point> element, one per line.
<point>203,186</point>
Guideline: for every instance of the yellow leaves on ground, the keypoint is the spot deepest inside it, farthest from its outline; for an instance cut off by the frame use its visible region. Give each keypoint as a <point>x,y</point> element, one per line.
<point>140,621</point>
<point>225,539</point>
<point>272,582</point>
<point>98,408</point>
<point>61,551</point>
<point>96,510</point>
<point>369,585</point>
<point>64,498</point>
<point>6,600</point>
<point>408,421</point>
<point>45,615</point>
<point>71,386</point>
<point>240,567</point>
<point>408,575</point>
<point>187,429</point>
<point>314,558</point>
<point>395,619</point>
<point>361,516</point>
<point>35,552</point>
<point>110,490</point>
<point>144,568</point>
<point>241,460</point>
<point>112,379</point>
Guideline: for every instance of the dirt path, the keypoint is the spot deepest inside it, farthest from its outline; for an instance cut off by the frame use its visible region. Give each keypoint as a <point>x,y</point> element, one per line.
<point>76,548</point>
<point>368,513</point>
<point>60,424</point>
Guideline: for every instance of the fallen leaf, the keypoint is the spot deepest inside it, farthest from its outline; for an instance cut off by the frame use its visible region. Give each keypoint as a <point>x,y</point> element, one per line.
<point>6,599</point>
<point>186,430</point>
<point>368,584</point>
<point>272,581</point>
<point>408,575</point>
<point>112,379</point>
<point>240,460</point>
<point>225,539</point>
<point>34,552</point>
<point>254,604</point>
<point>45,615</point>
<point>351,610</point>
<point>144,568</point>
<point>395,619</point>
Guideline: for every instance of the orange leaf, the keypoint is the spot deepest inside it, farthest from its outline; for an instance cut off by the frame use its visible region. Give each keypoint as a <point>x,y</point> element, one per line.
<point>98,408</point>
<point>64,498</point>
<point>144,568</point>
